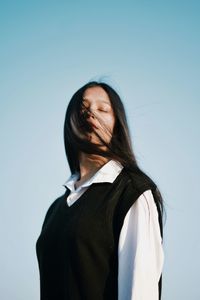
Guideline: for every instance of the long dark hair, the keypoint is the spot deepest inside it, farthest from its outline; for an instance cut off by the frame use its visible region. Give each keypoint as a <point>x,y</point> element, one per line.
<point>119,147</point>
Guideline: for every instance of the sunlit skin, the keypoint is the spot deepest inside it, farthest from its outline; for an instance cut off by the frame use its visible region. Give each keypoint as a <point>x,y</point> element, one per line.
<point>102,117</point>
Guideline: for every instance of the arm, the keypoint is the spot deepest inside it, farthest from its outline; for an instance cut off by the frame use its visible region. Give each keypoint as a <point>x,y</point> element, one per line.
<point>140,251</point>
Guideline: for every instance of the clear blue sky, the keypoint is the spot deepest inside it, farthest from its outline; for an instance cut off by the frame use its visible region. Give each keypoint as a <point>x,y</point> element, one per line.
<point>148,51</point>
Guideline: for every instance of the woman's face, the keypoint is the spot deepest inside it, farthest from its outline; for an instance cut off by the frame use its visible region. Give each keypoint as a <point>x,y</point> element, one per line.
<point>100,115</point>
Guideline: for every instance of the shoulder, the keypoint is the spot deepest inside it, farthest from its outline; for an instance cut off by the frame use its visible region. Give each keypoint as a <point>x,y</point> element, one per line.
<point>51,209</point>
<point>139,179</point>
<point>143,190</point>
<point>137,187</point>
<point>138,182</point>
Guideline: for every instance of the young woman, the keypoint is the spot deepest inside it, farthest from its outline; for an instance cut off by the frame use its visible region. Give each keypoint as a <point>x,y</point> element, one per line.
<point>103,238</point>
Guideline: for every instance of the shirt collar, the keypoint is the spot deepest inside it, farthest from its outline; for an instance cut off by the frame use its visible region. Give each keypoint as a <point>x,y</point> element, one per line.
<point>107,173</point>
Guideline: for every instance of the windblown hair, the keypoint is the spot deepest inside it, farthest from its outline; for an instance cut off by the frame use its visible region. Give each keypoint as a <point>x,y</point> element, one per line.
<point>119,148</point>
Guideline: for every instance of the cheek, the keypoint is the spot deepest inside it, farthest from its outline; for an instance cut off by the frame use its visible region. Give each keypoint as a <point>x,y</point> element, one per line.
<point>106,120</point>
<point>110,122</point>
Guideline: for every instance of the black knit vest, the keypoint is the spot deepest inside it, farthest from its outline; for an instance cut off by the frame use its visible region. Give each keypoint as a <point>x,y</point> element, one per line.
<point>77,249</point>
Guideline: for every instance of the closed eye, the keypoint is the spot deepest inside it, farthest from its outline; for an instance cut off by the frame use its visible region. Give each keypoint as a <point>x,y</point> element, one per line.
<point>104,110</point>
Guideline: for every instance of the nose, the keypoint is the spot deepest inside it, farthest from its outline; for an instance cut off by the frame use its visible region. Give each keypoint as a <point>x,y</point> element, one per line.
<point>90,118</point>
<point>87,114</point>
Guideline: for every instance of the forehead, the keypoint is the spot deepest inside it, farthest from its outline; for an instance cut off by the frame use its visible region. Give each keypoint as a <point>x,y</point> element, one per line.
<point>97,94</point>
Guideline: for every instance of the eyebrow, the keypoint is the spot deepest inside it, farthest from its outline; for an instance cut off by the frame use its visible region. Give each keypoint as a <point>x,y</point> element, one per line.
<point>102,101</point>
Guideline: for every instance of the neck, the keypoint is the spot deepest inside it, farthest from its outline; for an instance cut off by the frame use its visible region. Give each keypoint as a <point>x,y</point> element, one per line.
<point>90,164</point>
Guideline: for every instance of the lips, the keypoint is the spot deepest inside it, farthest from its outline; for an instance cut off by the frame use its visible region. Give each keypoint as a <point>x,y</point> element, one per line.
<point>94,126</point>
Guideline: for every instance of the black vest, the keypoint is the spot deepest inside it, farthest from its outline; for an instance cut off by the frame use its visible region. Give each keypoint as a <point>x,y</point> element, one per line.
<point>77,249</point>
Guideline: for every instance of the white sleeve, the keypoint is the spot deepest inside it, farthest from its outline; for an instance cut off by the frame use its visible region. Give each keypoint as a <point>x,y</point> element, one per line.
<point>140,251</point>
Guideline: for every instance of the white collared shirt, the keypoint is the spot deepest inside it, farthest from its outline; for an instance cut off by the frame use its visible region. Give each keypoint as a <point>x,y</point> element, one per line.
<point>140,249</point>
